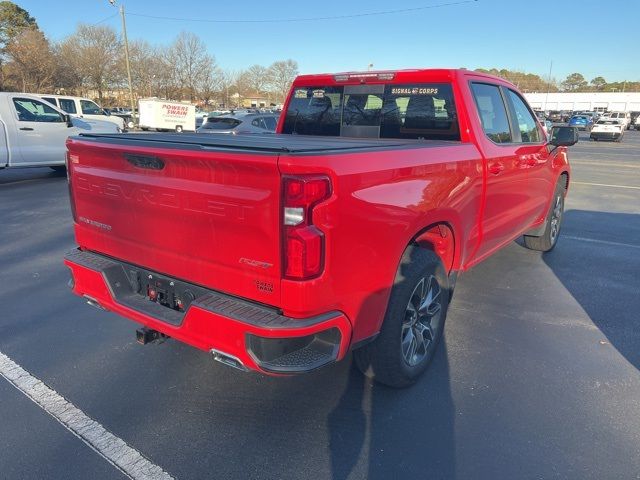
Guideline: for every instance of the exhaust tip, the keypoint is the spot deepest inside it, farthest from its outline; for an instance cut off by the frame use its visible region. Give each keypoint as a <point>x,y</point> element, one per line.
<point>94,303</point>
<point>228,360</point>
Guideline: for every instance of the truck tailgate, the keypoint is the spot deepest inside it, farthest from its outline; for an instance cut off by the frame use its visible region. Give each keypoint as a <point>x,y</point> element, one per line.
<point>209,216</point>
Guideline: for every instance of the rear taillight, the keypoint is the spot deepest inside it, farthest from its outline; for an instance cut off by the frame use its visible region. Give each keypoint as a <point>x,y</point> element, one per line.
<point>303,241</point>
<point>69,159</point>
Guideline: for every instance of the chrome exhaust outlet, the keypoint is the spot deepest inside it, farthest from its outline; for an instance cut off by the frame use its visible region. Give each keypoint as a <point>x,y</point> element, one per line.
<point>94,303</point>
<point>228,360</point>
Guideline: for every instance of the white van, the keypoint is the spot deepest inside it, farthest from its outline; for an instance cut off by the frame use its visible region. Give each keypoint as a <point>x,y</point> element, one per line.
<point>624,117</point>
<point>33,132</point>
<point>83,108</point>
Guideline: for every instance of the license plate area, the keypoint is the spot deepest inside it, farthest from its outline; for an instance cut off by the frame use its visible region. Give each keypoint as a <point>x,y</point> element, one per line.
<point>165,291</point>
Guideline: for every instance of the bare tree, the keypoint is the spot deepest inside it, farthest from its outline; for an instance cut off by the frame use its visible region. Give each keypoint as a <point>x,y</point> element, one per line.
<point>146,68</point>
<point>209,84</point>
<point>94,53</point>
<point>280,76</point>
<point>31,61</point>
<point>191,61</point>
<point>257,78</point>
<point>228,86</point>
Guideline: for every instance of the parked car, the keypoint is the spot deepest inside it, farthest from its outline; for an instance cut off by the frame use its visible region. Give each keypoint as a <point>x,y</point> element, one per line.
<point>624,117</point>
<point>555,116</point>
<point>33,132</point>
<point>581,122</point>
<point>608,129</point>
<point>344,231</point>
<point>546,126</point>
<point>83,108</point>
<point>124,115</point>
<point>240,123</point>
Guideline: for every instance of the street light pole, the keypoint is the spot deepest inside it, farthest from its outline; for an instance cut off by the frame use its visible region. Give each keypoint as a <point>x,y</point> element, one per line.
<point>546,98</point>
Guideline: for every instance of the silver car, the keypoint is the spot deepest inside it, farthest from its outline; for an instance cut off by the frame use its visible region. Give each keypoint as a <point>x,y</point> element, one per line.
<point>236,123</point>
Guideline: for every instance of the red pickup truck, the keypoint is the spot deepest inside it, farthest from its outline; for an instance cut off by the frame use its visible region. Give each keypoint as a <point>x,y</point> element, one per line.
<point>343,231</point>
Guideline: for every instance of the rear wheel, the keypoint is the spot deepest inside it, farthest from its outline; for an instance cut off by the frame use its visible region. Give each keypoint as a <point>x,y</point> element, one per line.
<point>413,323</point>
<point>547,241</point>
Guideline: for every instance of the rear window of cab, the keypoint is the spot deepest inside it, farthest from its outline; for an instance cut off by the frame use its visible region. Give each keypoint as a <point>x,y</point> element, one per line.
<point>411,111</point>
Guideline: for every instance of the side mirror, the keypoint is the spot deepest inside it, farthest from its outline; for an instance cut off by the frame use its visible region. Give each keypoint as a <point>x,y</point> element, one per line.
<point>67,119</point>
<point>563,136</point>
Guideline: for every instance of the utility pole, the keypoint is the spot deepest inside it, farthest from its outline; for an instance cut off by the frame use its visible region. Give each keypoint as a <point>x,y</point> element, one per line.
<point>126,59</point>
<point>548,87</point>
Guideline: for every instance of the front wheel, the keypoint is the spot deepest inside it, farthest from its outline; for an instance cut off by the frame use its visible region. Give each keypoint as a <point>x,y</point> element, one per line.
<point>547,241</point>
<point>413,323</point>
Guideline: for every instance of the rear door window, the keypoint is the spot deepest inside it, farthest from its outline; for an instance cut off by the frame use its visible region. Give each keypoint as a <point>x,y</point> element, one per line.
<point>529,131</point>
<point>68,105</point>
<point>259,122</point>
<point>492,111</point>
<point>271,123</point>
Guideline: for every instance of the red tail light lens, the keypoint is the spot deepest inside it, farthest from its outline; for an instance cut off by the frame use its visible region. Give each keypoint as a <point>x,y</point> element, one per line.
<point>68,160</point>
<point>303,241</point>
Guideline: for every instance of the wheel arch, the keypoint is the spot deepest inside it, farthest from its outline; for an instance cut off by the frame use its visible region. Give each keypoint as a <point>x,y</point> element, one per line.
<point>439,237</point>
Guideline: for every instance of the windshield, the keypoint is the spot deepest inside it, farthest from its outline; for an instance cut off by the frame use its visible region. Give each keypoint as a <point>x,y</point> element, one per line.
<point>412,111</point>
<point>218,123</point>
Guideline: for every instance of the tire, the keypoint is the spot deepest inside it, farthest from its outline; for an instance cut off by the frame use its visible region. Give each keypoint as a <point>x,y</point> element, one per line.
<point>396,358</point>
<point>59,168</point>
<point>548,240</point>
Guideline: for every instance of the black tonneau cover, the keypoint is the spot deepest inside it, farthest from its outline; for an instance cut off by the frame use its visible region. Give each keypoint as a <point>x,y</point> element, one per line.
<point>275,143</point>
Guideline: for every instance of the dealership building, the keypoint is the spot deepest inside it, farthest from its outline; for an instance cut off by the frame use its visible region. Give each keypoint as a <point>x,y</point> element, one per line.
<point>586,101</point>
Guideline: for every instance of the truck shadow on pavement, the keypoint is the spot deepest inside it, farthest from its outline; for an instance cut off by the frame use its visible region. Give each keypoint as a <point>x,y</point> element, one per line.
<point>597,259</point>
<point>378,432</point>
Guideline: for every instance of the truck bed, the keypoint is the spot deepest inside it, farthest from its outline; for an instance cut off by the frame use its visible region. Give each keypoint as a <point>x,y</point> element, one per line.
<point>265,144</point>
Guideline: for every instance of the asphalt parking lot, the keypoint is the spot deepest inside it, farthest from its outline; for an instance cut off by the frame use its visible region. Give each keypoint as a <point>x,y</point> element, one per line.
<point>538,376</point>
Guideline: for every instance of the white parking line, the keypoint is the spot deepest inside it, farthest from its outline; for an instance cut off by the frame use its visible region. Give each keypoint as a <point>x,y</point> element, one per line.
<point>603,242</point>
<point>596,163</point>
<point>605,185</point>
<point>113,449</point>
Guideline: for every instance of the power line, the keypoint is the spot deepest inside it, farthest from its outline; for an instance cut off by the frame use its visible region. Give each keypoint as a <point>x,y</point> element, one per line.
<point>308,19</point>
<point>104,19</point>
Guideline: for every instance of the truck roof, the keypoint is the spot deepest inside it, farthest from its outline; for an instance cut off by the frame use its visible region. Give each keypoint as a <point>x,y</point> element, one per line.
<point>265,144</point>
<point>392,76</point>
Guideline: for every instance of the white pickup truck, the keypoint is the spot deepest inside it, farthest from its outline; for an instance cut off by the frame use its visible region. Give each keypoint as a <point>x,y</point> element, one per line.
<point>33,132</point>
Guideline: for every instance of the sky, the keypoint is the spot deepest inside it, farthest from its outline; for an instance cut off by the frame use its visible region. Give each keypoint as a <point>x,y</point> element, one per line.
<point>593,37</point>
